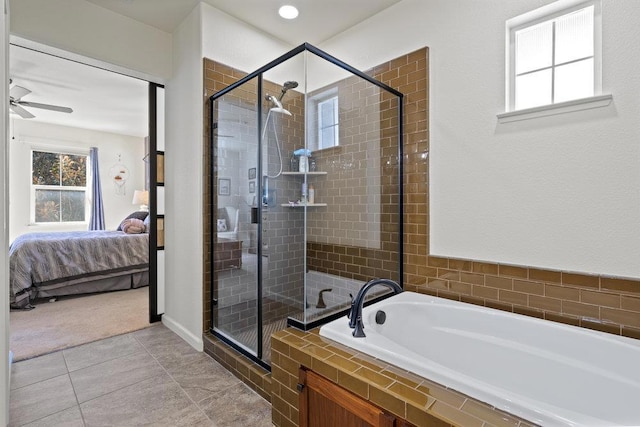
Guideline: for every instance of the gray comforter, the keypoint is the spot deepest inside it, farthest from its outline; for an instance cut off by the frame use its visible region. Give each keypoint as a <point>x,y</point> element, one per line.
<point>44,259</point>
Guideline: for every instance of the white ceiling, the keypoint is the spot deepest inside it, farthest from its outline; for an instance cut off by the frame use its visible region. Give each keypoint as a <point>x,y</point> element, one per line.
<point>101,100</point>
<point>110,102</point>
<point>318,21</point>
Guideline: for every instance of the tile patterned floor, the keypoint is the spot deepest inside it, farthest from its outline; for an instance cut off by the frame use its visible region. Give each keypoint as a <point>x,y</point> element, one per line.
<point>147,377</point>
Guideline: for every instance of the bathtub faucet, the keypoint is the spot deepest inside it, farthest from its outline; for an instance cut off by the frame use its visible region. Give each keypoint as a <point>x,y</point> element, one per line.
<point>355,315</point>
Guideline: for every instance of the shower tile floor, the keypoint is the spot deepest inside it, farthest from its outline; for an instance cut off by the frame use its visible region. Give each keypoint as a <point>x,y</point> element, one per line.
<point>150,376</point>
<point>249,337</point>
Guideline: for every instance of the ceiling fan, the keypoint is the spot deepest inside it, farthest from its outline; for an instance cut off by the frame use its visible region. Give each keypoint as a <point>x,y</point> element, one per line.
<point>16,104</point>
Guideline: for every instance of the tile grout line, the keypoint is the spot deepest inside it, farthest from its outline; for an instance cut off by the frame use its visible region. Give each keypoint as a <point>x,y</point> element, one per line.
<point>214,394</point>
<point>174,380</point>
<point>73,388</point>
<point>111,360</point>
<point>103,361</point>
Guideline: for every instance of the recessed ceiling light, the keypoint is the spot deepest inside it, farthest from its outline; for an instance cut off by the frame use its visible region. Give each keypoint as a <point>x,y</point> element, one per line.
<point>288,12</point>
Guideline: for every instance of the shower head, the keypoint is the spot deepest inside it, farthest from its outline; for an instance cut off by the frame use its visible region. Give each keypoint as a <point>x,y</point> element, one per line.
<point>278,105</point>
<point>290,84</point>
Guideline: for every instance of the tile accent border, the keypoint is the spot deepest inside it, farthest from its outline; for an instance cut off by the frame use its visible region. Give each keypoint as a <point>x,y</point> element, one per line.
<point>602,303</point>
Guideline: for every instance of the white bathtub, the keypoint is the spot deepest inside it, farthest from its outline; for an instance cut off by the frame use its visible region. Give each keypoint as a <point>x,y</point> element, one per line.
<point>545,372</point>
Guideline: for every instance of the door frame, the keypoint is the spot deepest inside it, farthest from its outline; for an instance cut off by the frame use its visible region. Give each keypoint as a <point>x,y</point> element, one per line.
<point>153,82</point>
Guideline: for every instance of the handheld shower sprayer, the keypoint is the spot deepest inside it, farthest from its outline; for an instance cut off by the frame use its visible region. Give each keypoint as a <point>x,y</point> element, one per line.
<point>278,105</point>
<point>277,108</point>
<point>275,100</point>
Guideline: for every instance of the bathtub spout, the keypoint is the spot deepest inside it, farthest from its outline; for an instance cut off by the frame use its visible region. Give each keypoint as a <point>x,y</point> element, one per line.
<point>355,315</point>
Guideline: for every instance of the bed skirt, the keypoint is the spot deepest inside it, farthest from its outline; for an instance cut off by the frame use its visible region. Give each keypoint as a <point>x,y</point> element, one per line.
<point>86,285</point>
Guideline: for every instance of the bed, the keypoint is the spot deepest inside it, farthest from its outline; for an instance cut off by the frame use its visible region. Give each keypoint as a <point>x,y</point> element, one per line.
<point>77,262</point>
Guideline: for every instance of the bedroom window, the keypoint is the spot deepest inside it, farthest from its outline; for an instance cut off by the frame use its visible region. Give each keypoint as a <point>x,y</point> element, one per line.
<point>554,55</point>
<point>58,187</point>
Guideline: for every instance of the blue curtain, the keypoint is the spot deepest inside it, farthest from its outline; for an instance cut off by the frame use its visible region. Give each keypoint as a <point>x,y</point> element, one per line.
<point>96,221</point>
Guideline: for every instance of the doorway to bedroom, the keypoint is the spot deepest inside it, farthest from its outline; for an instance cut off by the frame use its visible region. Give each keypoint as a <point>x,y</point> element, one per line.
<point>81,154</point>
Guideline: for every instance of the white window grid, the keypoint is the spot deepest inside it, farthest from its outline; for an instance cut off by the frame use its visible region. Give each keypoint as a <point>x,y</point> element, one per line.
<point>35,187</point>
<point>332,124</point>
<point>315,124</point>
<point>552,13</point>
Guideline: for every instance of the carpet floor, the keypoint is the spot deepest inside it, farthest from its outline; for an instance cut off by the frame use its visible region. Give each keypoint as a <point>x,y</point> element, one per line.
<point>75,320</point>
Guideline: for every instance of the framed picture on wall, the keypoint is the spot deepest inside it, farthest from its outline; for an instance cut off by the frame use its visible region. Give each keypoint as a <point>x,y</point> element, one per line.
<point>252,187</point>
<point>252,173</point>
<point>224,186</point>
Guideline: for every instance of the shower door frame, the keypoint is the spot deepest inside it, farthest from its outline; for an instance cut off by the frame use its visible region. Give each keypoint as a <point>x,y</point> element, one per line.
<point>259,190</point>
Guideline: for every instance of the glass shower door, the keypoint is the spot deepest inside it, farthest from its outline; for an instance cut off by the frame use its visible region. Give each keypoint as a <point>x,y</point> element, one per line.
<point>235,201</point>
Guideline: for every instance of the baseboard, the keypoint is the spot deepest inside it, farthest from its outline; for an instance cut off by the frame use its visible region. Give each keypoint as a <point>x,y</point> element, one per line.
<point>193,340</point>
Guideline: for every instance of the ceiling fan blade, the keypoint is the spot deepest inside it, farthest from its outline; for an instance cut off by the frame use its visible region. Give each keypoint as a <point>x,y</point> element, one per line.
<point>21,111</point>
<point>18,92</point>
<point>45,106</point>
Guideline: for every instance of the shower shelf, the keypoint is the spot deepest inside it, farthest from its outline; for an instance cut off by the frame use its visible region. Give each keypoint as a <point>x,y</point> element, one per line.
<point>300,205</point>
<point>305,173</point>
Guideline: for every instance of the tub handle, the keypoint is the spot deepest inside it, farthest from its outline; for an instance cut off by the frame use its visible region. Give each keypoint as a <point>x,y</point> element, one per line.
<point>321,303</point>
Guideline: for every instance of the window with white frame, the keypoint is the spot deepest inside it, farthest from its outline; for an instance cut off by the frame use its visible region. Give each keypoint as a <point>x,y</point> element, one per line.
<point>58,187</point>
<point>555,57</point>
<point>328,123</point>
<point>324,120</point>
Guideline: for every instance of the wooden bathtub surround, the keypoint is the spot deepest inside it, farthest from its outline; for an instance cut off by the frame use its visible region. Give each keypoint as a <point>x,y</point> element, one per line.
<point>410,399</point>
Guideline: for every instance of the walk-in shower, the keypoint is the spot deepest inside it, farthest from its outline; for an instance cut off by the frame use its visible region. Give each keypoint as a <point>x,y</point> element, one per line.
<point>306,168</point>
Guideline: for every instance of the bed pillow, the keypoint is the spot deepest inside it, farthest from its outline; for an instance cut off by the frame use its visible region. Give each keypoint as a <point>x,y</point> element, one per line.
<point>133,226</point>
<point>141,215</point>
<point>221,224</point>
<point>147,224</point>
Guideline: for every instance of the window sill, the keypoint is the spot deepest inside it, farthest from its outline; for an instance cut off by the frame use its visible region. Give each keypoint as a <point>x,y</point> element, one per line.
<point>553,109</point>
<point>58,224</point>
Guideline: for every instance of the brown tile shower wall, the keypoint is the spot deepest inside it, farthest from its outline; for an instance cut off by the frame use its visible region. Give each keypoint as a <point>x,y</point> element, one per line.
<point>352,262</point>
<point>356,235</point>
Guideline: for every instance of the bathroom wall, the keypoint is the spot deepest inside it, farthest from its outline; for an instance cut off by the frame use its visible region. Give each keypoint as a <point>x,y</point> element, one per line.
<point>569,278</point>
<point>598,302</point>
<point>553,193</point>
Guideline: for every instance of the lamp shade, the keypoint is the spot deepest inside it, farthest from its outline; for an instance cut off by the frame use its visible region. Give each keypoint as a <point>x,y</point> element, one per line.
<point>141,197</point>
